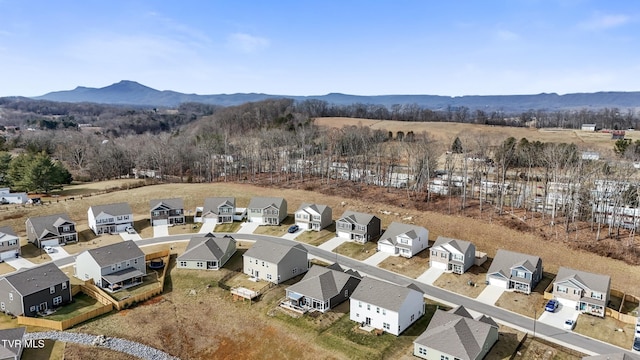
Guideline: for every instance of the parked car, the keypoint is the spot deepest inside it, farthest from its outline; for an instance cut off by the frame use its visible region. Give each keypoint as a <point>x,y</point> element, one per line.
<point>130,230</point>
<point>293,228</point>
<point>48,249</point>
<point>551,306</point>
<point>569,324</point>
<point>636,344</point>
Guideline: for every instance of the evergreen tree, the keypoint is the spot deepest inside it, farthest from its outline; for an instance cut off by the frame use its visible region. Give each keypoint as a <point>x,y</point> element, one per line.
<point>456,147</point>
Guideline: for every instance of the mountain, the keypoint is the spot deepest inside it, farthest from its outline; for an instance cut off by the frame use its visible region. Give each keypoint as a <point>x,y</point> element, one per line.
<point>132,93</point>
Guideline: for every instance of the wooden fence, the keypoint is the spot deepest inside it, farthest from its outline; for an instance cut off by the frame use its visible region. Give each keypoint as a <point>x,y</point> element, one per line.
<point>66,323</point>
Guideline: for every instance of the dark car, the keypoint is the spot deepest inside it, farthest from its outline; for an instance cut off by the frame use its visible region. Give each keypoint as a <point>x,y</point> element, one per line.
<point>551,306</point>
<point>293,228</point>
<point>636,344</point>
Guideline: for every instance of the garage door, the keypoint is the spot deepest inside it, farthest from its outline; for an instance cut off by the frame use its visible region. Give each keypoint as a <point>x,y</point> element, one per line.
<point>8,255</point>
<point>390,249</point>
<point>439,265</point>
<point>49,243</point>
<point>344,235</point>
<point>210,218</point>
<point>501,283</point>
<point>571,304</point>
<point>161,222</point>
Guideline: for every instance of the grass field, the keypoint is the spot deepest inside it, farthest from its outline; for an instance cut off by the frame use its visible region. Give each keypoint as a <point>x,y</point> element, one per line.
<point>606,329</point>
<point>470,284</point>
<point>81,304</point>
<point>531,305</point>
<point>412,267</point>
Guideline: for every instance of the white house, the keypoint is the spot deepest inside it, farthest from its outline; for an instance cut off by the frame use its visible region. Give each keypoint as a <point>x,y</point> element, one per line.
<point>110,218</point>
<point>386,306</point>
<point>403,239</point>
<point>7,197</point>
<point>9,243</point>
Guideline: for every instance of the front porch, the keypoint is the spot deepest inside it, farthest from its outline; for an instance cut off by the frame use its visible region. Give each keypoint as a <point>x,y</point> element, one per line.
<point>122,279</point>
<point>591,308</point>
<point>520,287</point>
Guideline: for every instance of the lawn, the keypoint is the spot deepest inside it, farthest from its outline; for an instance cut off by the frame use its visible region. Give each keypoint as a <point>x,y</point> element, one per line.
<point>6,268</point>
<point>90,242</point>
<point>187,228</point>
<point>228,227</point>
<point>316,238</point>
<point>412,267</point>
<point>276,230</point>
<point>150,282</point>
<point>470,284</point>
<point>530,305</point>
<point>356,250</point>
<point>34,254</point>
<point>508,342</point>
<point>81,304</point>
<point>606,329</point>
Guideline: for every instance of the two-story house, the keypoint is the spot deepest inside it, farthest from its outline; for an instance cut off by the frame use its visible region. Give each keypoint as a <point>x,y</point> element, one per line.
<point>167,211</point>
<point>275,262</point>
<point>321,289</point>
<point>585,291</point>
<point>51,230</point>
<point>403,239</point>
<point>515,271</point>
<point>208,252</point>
<point>267,210</point>
<point>455,334</point>
<point>110,218</point>
<point>112,267</point>
<point>9,243</point>
<point>30,291</point>
<point>359,227</point>
<point>386,306</point>
<point>452,255</point>
<point>219,209</point>
<point>313,217</point>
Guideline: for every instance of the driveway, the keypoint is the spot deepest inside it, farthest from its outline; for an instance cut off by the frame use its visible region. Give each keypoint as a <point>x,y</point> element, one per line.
<point>160,230</point>
<point>562,314</point>
<point>490,294</point>
<point>126,236</point>
<point>59,253</point>
<point>208,227</point>
<point>331,244</point>
<point>430,276</point>
<point>248,227</point>
<point>292,236</point>
<point>20,263</point>
<point>376,258</point>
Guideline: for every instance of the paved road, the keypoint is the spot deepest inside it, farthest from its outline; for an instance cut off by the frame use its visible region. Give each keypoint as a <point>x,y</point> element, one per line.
<point>556,335</point>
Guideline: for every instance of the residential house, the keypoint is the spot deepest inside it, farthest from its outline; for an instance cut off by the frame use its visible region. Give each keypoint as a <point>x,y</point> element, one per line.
<point>110,218</point>
<point>386,306</point>
<point>167,211</point>
<point>275,263</point>
<point>403,239</point>
<point>585,291</point>
<point>112,267</point>
<point>515,271</point>
<point>267,210</point>
<point>208,252</point>
<point>359,227</point>
<point>313,217</point>
<point>455,334</point>
<point>12,343</point>
<point>452,255</point>
<point>7,197</point>
<point>51,230</point>
<point>30,291</point>
<point>9,243</point>
<point>218,209</point>
<point>321,289</point>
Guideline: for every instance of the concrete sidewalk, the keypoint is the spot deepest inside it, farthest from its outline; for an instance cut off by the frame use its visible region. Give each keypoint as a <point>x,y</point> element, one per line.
<point>376,258</point>
<point>208,227</point>
<point>248,227</point>
<point>160,230</point>
<point>20,263</point>
<point>126,236</point>
<point>59,253</point>
<point>332,244</point>
<point>490,294</point>
<point>430,276</point>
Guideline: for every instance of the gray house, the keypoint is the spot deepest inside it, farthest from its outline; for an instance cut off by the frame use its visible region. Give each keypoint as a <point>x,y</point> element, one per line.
<point>359,227</point>
<point>452,255</point>
<point>267,210</point>
<point>34,290</point>
<point>207,252</point>
<point>516,271</point>
<point>219,209</point>
<point>13,343</point>
<point>585,291</point>
<point>274,262</point>
<point>167,211</point>
<point>321,289</point>
<point>112,267</point>
<point>9,243</point>
<point>51,230</point>
<point>455,334</point>
<point>313,217</point>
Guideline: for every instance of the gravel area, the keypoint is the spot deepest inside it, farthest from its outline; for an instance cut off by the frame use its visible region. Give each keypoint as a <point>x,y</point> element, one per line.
<point>121,345</point>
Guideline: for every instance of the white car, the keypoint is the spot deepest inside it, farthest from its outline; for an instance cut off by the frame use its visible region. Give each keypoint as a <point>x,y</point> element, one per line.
<point>569,324</point>
<point>130,230</point>
<point>48,249</point>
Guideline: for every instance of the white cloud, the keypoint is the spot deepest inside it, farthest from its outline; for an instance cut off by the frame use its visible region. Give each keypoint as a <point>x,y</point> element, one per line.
<point>247,43</point>
<point>605,21</point>
<point>507,35</point>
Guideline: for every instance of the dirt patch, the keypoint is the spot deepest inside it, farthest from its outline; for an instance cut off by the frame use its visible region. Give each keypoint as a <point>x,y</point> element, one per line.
<point>153,300</point>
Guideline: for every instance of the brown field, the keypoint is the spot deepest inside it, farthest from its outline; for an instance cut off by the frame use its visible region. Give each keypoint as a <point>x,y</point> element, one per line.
<point>355,250</point>
<point>412,268</point>
<point>606,329</point>
<point>470,284</point>
<point>531,305</point>
<point>79,352</point>
<point>538,349</point>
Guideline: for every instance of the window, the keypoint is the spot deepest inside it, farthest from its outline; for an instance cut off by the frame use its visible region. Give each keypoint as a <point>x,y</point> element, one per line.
<point>422,351</point>
<point>386,326</point>
<point>64,285</point>
<point>135,261</point>
<point>57,300</point>
<point>66,228</point>
<point>457,257</point>
<point>263,263</point>
<point>434,253</point>
<point>183,263</point>
<point>33,308</point>
<point>360,304</point>
<point>2,307</point>
<point>442,357</point>
<point>378,310</point>
<point>443,255</point>
<point>256,261</point>
<point>562,289</point>
<point>346,293</point>
<point>357,315</point>
<point>13,242</point>
<point>368,307</point>
<point>295,270</point>
<point>52,290</point>
<point>520,274</point>
<point>412,317</point>
<point>384,312</point>
<point>268,276</point>
<point>596,295</point>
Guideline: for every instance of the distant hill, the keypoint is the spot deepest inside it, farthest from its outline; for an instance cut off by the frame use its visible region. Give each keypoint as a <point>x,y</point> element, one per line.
<point>132,93</point>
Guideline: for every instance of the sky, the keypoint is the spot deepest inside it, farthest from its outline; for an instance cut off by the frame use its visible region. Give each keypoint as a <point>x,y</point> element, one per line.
<point>303,47</point>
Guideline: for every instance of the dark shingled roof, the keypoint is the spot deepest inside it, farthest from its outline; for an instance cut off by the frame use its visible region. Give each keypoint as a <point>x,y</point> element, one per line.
<point>111,254</point>
<point>381,293</point>
<point>30,281</point>
<point>116,209</point>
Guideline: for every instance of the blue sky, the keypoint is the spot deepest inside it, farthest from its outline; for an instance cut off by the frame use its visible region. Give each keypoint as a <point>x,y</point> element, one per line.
<point>373,47</point>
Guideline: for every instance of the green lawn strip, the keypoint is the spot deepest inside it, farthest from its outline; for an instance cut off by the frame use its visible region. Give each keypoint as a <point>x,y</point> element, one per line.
<point>81,304</point>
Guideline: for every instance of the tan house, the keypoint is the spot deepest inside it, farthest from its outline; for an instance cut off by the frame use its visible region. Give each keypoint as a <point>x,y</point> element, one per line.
<point>585,291</point>
<point>207,252</point>
<point>274,262</point>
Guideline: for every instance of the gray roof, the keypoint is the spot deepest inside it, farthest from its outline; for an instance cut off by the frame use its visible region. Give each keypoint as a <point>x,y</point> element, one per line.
<point>381,293</point>
<point>455,335</point>
<point>212,203</point>
<point>616,356</point>
<point>316,207</point>
<point>505,260</point>
<point>263,202</point>
<point>272,252</point>
<point>207,248</point>
<point>395,228</point>
<point>175,203</point>
<point>460,245</point>
<point>356,217</point>
<point>7,230</point>
<point>116,209</point>
<point>49,223</point>
<point>597,282</point>
<point>111,254</point>
<point>32,280</point>
<point>321,283</point>
<point>12,348</point>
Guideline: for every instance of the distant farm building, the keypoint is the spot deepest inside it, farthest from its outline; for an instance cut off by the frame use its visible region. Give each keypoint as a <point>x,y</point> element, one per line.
<point>588,127</point>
